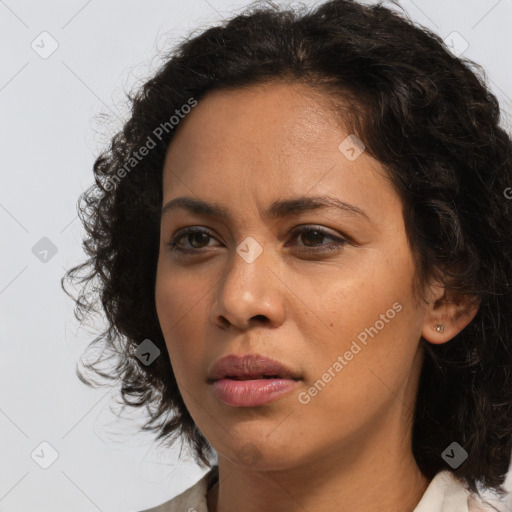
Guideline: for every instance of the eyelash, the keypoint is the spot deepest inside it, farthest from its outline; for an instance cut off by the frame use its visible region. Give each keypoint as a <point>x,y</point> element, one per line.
<point>324,248</point>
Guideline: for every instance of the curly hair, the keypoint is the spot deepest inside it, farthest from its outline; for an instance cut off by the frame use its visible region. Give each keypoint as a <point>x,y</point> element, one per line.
<point>425,114</point>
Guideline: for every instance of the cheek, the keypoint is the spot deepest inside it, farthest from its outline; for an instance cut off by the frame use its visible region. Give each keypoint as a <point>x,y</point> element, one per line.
<point>167,307</point>
<point>368,318</point>
<point>181,303</point>
<point>352,384</point>
<point>178,294</point>
<point>352,295</point>
<point>171,301</point>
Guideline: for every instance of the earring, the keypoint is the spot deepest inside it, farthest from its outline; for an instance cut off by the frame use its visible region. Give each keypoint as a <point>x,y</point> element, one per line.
<point>439,328</point>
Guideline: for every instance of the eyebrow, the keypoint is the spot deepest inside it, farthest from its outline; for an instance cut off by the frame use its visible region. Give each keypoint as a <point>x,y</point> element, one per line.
<point>278,209</point>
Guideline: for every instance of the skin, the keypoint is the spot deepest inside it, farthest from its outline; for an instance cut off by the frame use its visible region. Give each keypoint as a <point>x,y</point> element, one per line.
<point>351,444</point>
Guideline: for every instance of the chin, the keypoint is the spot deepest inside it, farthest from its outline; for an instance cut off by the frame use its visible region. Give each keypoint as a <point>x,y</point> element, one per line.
<point>260,454</point>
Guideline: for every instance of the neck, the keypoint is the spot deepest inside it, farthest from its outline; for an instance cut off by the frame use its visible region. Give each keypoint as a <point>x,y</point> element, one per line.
<point>361,475</point>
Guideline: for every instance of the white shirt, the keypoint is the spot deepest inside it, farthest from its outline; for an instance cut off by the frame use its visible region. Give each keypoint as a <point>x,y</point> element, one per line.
<point>444,494</point>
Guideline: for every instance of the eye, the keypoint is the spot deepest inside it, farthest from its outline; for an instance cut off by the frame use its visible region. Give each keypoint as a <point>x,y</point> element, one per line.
<point>195,236</point>
<point>312,237</point>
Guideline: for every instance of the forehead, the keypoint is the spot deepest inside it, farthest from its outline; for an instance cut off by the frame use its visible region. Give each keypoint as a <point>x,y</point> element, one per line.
<point>263,142</point>
<point>266,126</point>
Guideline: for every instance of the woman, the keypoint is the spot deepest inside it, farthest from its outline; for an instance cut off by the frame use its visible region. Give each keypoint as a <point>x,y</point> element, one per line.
<point>302,243</point>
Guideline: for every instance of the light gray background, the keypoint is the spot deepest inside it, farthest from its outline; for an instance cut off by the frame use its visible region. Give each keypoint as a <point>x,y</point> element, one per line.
<point>52,128</point>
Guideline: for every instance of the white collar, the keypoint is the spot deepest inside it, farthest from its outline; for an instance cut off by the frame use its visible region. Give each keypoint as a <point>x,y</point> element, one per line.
<point>445,493</point>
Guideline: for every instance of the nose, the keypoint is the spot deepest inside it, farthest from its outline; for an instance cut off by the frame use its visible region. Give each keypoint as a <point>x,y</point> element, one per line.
<point>249,294</point>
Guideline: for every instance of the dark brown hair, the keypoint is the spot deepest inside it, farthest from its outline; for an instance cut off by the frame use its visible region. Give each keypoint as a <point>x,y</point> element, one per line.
<point>424,114</point>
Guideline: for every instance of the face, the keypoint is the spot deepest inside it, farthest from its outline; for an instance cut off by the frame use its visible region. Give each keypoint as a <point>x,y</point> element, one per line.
<point>325,290</point>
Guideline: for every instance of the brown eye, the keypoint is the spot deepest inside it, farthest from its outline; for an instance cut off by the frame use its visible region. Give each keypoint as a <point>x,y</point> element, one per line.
<point>312,239</point>
<point>197,239</point>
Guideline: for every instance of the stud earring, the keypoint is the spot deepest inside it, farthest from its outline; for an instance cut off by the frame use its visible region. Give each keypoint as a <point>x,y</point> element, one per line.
<point>439,328</point>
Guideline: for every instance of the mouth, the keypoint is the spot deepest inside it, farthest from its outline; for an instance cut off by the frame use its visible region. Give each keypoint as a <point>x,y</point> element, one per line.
<point>251,392</point>
<point>250,380</point>
<point>254,377</point>
<point>250,367</point>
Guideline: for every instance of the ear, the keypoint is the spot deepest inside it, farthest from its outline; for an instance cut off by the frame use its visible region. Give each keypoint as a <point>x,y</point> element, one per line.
<point>450,310</point>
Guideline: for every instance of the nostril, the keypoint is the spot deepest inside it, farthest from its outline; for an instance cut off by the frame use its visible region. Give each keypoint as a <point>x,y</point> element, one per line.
<point>224,321</point>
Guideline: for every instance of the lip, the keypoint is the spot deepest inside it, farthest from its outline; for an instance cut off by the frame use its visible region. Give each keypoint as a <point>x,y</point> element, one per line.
<point>249,366</point>
<point>251,393</point>
<point>238,380</point>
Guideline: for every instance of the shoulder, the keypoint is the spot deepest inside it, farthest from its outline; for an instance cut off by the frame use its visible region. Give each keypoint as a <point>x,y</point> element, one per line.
<point>447,493</point>
<point>192,499</point>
